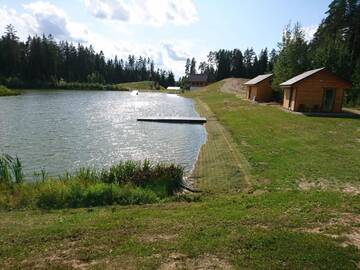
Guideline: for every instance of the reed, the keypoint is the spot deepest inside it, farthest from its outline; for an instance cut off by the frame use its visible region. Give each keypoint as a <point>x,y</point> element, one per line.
<point>10,170</point>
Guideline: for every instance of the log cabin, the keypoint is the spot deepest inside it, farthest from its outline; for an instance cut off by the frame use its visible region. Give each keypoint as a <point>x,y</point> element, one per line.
<point>317,90</point>
<point>259,88</point>
<point>198,80</point>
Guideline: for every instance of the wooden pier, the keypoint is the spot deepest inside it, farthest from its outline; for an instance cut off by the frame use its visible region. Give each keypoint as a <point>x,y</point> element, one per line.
<point>180,120</point>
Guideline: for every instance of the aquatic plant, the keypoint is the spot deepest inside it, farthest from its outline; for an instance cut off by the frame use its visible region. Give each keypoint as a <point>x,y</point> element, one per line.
<point>10,170</point>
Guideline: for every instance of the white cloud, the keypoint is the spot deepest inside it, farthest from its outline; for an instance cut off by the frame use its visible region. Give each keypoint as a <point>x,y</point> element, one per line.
<point>309,31</point>
<point>177,51</point>
<point>25,24</point>
<point>147,12</point>
<point>51,19</point>
<point>45,18</point>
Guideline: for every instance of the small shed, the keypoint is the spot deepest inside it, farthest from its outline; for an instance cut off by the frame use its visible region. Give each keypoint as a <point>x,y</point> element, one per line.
<point>259,88</point>
<point>198,80</point>
<point>317,90</point>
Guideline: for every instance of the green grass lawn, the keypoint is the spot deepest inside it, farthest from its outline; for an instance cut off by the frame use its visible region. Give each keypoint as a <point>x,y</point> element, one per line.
<point>4,91</point>
<point>284,149</point>
<point>143,85</point>
<point>252,212</point>
<point>268,231</point>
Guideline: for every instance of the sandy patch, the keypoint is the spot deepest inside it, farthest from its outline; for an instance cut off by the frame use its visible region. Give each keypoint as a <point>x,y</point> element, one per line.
<point>235,85</point>
<point>323,184</point>
<point>349,221</point>
<point>158,237</point>
<point>205,262</point>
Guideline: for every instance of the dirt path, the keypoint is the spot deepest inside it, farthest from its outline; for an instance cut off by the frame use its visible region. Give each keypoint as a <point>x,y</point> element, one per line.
<point>220,167</point>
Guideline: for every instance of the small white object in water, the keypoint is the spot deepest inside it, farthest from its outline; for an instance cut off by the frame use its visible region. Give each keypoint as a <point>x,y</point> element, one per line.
<point>135,92</point>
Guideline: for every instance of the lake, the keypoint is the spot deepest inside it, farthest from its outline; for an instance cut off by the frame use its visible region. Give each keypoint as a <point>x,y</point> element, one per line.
<point>65,130</point>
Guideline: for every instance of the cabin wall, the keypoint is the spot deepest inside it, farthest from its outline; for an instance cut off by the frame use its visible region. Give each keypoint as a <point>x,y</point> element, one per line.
<point>262,91</point>
<point>286,98</point>
<point>311,92</point>
<point>252,92</point>
<point>289,100</point>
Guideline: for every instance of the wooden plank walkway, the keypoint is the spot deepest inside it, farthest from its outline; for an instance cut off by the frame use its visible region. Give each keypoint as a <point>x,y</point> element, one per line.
<point>181,120</point>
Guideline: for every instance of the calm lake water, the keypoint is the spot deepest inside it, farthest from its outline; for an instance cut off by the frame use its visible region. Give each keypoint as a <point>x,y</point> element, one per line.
<point>64,130</point>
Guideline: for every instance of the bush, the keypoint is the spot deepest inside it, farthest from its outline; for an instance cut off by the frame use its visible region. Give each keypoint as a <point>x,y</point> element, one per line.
<point>52,194</point>
<point>166,179</point>
<point>352,98</point>
<point>4,91</point>
<point>125,183</point>
<point>56,194</point>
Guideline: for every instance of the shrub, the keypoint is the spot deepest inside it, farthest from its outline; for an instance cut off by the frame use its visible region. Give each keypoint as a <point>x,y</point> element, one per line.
<point>125,183</point>
<point>52,194</point>
<point>98,194</point>
<point>133,195</point>
<point>56,194</point>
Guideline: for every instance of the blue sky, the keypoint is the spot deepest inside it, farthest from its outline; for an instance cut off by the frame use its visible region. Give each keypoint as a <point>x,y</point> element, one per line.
<point>167,30</point>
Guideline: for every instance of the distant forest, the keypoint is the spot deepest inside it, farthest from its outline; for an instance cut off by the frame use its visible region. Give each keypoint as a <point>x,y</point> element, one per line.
<point>233,63</point>
<point>336,46</point>
<point>43,62</point>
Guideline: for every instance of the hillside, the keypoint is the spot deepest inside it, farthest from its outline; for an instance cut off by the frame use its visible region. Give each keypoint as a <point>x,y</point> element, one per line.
<point>143,85</point>
<point>235,86</point>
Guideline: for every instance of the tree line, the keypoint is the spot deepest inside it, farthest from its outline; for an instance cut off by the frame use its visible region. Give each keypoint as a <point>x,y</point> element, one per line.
<point>335,45</point>
<point>223,64</point>
<point>44,62</point>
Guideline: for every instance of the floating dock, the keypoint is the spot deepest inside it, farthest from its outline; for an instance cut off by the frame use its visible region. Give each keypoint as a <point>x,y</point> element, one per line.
<point>182,120</point>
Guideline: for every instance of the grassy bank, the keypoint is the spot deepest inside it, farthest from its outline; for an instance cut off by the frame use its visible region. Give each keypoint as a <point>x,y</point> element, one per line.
<point>4,91</point>
<point>268,231</point>
<point>125,183</point>
<point>285,150</point>
<point>143,85</point>
<point>268,201</point>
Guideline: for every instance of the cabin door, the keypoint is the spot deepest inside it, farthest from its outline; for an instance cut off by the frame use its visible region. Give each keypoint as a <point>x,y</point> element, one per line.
<point>328,100</point>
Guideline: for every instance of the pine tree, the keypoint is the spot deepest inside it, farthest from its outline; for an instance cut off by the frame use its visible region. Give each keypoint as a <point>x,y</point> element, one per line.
<point>193,66</point>
<point>293,55</point>
<point>187,67</point>
<point>263,61</point>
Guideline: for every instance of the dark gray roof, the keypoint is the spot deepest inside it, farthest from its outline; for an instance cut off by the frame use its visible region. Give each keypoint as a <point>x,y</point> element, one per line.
<point>301,77</point>
<point>198,77</point>
<point>258,79</point>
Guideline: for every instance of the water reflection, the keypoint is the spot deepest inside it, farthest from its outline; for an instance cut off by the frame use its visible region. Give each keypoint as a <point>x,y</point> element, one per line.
<point>65,130</point>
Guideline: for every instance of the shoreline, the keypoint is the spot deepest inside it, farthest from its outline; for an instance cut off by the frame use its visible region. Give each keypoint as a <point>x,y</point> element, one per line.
<point>189,178</point>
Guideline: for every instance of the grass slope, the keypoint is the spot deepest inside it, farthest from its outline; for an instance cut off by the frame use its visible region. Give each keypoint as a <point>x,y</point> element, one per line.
<point>285,149</point>
<point>4,91</point>
<point>268,231</point>
<point>257,221</point>
<point>144,85</point>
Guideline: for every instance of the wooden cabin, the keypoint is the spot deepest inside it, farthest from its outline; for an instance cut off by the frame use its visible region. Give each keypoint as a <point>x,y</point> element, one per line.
<point>317,90</point>
<point>198,80</point>
<point>259,88</point>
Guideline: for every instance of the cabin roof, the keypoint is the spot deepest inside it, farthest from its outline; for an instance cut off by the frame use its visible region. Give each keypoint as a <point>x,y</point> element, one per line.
<point>198,77</point>
<point>258,79</point>
<point>300,77</point>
